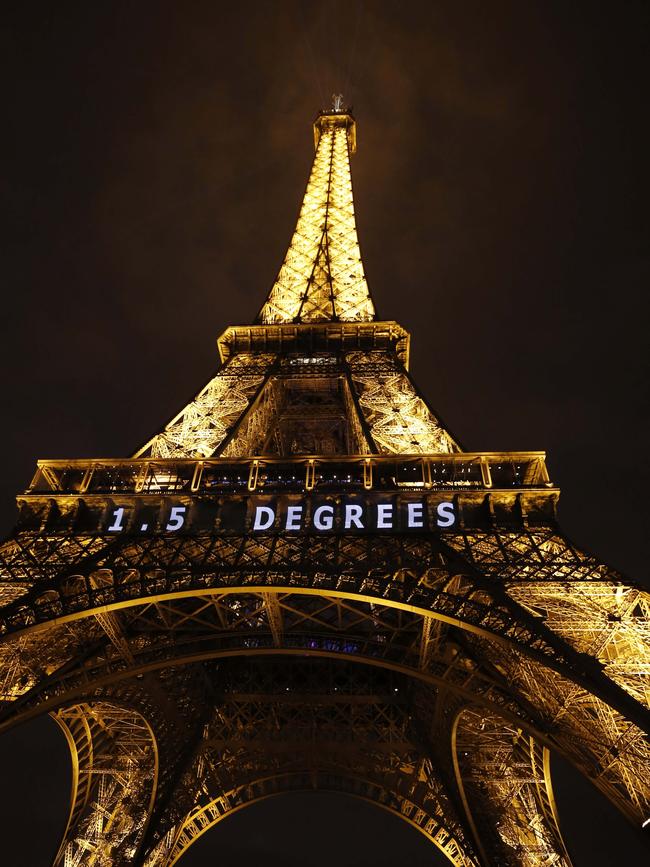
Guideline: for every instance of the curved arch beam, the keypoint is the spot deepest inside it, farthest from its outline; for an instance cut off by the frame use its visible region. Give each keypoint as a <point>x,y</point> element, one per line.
<point>203,819</point>
<point>561,741</point>
<point>513,686</point>
<point>498,702</point>
<point>501,620</point>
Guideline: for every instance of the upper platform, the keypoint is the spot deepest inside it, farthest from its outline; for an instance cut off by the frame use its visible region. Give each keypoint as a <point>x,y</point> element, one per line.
<point>309,338</point>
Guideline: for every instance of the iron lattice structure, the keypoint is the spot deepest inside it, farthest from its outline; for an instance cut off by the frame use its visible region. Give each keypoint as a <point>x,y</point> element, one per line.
<point>304,582</point>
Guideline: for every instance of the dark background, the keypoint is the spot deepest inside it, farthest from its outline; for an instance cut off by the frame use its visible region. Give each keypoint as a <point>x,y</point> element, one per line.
<point>153,159</point>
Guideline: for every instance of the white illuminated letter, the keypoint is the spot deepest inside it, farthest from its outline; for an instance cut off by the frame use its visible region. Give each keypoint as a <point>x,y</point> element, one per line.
<point>415,515</point>
<point>353,514</point>
<point>385,516</point>
<point>327,522</point>
<point>264,517</point>
<point>294,515</point>
<point>446,516</point>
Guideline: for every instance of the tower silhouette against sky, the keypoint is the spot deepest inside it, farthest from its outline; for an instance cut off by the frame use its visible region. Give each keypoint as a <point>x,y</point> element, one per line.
<point>305,582</point>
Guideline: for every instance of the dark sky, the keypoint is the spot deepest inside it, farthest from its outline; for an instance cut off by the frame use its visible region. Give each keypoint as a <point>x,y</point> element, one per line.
<point>153,159</point>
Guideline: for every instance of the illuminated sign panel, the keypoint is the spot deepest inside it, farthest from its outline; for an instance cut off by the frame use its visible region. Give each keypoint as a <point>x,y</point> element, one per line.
<point>284,513</point>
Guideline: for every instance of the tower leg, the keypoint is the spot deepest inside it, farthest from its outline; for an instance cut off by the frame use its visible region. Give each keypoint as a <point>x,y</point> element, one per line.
<point>504,779</point>
<point>115,769</point>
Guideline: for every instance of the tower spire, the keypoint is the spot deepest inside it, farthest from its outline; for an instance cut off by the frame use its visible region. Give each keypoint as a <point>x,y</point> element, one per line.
<point>322,278</point>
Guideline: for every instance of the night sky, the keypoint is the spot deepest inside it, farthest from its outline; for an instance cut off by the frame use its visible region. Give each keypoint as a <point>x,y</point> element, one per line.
<point>153,160</point>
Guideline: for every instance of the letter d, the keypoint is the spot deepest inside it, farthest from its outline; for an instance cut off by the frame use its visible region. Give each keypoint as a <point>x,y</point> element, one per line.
<point>264,517</point>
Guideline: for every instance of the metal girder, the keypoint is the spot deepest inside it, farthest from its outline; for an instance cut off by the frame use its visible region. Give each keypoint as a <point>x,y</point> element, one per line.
<point>398,418</point>
<point>201,427</point>
<point>335,779</point>
<point>504,778</point>
<point>115,770</point>
<point>274,616</point>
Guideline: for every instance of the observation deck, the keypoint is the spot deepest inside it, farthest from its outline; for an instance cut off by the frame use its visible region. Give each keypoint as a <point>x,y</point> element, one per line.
<point>486,487</point>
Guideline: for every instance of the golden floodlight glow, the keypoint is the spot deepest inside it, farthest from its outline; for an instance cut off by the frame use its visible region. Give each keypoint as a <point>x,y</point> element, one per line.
<point>322,276</point>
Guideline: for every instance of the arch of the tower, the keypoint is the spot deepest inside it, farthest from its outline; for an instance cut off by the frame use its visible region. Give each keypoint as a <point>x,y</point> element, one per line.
<point>475,689</point>
<point>443,643</point>
<point>339,781</point>
<point>443,613</point>
<point>208,623</point>
<point>278,724</point>
<point>285,723</point>
<point>473,582</point>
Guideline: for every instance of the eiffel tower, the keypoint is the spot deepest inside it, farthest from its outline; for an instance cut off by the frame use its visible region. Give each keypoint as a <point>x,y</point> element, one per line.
<point>305,582</point>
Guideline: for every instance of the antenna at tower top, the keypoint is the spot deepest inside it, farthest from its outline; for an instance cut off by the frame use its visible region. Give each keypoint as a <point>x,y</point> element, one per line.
<point>337,102</point>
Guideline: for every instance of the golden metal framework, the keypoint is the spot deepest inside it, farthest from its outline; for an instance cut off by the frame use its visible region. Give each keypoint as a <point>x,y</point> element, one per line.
<point>198,661</point>
<point>321,278</point>
<point>200,428</point>
<point>115,766</point>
